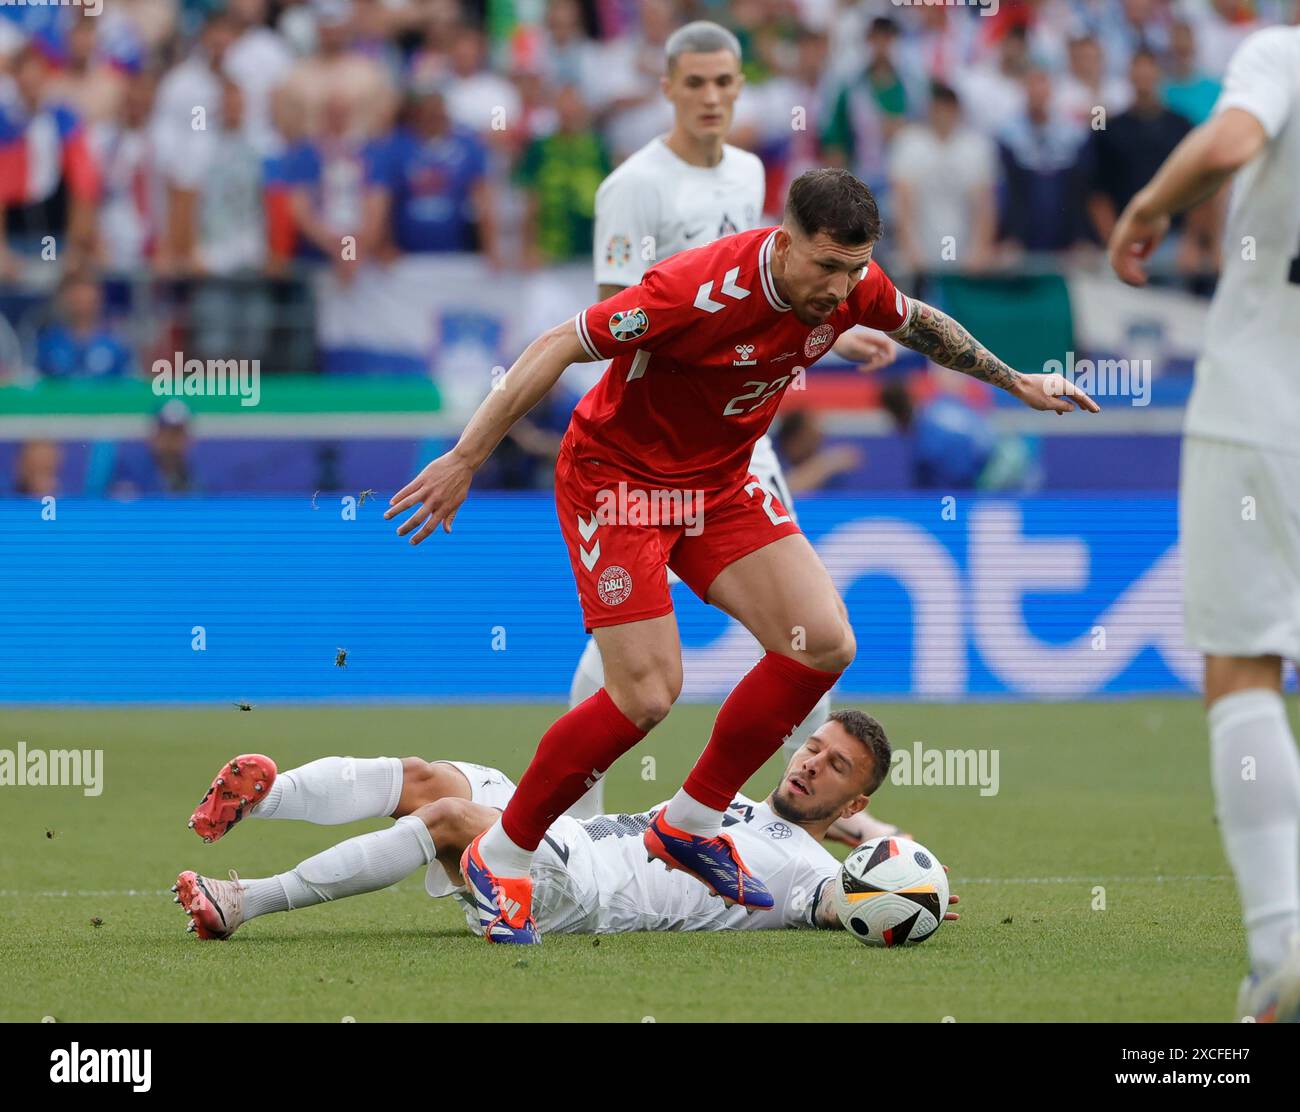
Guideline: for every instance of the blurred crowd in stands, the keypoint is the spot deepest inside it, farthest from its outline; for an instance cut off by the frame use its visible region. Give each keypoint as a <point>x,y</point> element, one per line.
<point>238,139</point>
<point>216,152</point>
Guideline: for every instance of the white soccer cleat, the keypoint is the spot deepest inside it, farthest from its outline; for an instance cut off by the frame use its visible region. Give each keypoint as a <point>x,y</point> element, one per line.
<point>215,907</point>
<point>1274,997</point>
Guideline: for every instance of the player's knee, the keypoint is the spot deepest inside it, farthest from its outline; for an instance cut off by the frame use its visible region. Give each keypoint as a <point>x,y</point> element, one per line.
<point>648,702</point>
<point>444,818</point>
<point>425,781</point>
<point>648,693</point>
<point>833,648</point>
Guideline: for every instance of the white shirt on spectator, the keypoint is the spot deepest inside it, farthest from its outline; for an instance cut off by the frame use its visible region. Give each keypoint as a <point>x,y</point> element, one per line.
<point>944,175</point>
<point>257,63</point>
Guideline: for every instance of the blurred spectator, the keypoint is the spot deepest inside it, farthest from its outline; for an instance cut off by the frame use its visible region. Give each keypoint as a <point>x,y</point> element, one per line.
<point>88,82</point>
<point>130,216</point>
<point>993,91</point>
<point>632,106</point>
<point>230,233</point>
<point>1220,27</point>
<point>937,44</point>
<point>942,176</point>
<point>869,110</point>
<point>479,100</point>
<point>187,109</point>
<point>1130,26</point>
<point>811,464</point>
<point>160,465</point>
<point>336,187</point>
<point>337,70</point>
<point>1044,177</point>
<point>566,55</point>
<point>258,60</point>
<point>560,173</point>
<point>36,470</point>
<point>1188,89</point>
<point>436,189</point>
<point>49,181</point>
<point>788,143</point>
<point>153,22</point>
<point>79,345</point>
<point>228,241</point>
<point>1129,150</point>
<point>950,442</point>
<point>1088,87</point>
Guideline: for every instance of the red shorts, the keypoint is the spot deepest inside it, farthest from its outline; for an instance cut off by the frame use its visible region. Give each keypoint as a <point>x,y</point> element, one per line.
<point>623,537</point>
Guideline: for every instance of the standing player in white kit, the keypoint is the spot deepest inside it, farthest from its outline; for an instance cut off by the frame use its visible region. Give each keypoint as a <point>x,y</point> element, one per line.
<point>1239,500</point>
<point>680,191</point>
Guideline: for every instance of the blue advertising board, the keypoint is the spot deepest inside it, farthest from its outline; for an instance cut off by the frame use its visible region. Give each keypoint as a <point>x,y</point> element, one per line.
<point>221,600</point>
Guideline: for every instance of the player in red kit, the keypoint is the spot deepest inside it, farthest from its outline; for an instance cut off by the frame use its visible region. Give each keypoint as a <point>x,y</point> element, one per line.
<point>653,474</point>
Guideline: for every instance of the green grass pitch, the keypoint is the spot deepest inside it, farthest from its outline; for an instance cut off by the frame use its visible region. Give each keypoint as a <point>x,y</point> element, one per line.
<point>1100,795</point>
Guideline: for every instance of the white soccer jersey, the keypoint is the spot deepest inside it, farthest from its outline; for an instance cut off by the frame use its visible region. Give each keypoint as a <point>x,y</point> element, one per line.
<point>655,205</point>
<point>634,894</point>
<point>593,877</point>
<point>1248,379</point>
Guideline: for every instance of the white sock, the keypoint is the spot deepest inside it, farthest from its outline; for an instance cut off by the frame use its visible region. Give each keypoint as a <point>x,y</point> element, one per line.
<point>502,856</point>
<point>815,721</point>
<point>1256,775</point>
<point>335,790</point>
<point>363,864</point>
<point>588,678</point>
<point>692,816</point>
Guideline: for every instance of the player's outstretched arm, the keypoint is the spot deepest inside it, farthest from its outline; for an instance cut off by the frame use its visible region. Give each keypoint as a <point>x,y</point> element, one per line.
<point>1195,170</point>
<point>944,341</point>
<point>443,485</point>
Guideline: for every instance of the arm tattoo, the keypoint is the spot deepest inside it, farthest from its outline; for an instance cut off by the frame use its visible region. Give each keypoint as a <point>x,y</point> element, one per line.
<point>942,339</point>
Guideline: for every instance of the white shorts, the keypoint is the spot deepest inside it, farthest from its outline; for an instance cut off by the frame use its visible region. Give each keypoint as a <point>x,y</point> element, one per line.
<point>564,882</point>
<point>1239,522</point>
<point>488,787</point>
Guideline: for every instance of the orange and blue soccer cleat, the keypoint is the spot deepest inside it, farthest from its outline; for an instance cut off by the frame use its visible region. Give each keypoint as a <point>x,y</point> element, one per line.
<point>240,785</point>
<point>713,861</point>
<point>504,904</point>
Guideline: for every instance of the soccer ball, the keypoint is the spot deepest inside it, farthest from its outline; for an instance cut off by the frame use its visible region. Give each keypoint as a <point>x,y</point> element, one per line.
<point>891,892</point>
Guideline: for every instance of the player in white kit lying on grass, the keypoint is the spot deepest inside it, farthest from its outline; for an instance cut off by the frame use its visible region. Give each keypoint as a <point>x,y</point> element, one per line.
<point>589,877</point>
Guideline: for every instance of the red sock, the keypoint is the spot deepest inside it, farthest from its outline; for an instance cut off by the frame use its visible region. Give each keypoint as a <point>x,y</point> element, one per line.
<point>590,738</point>
<point>761,711</point>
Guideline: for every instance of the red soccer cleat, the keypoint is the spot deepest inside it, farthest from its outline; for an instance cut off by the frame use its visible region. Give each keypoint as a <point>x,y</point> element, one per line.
<point>239,786</point>
<point>215,907</point>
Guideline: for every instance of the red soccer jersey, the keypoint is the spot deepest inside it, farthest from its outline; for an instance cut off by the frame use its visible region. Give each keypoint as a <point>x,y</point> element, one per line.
<point>702,351</point>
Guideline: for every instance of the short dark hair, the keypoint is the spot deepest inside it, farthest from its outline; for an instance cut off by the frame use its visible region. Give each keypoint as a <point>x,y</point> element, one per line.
<point>834,202</point>
<point>872,734</point>
<point>946,94</point>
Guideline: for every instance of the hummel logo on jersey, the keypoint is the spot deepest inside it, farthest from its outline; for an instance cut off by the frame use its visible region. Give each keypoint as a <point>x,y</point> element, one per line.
<point>744,351</point>
<point>704,301</point>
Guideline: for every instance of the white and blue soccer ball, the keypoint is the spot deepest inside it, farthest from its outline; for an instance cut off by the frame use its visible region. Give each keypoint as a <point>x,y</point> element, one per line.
<point>891,892</point>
